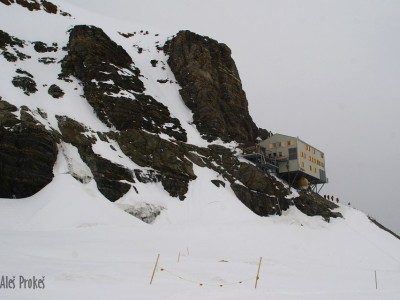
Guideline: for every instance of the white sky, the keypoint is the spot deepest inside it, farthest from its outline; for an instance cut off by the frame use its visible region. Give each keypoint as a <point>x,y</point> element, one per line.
<point>326,71</point>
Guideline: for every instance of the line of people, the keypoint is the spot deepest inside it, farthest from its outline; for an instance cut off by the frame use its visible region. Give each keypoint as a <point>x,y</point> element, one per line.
<point>332,198</point>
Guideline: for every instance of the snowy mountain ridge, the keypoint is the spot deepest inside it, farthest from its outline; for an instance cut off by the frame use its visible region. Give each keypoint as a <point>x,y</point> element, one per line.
<point>158,167</point>
<point>118,103</point>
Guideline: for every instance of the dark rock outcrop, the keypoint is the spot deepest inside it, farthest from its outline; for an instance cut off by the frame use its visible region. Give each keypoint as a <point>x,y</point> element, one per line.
<point>211,87</point>
<point>25,83</point>
<point>23,72</point>
<point>41,47</point>
<point>9,46</point>
<point>167,157</point>
<point>112,84</point>
<point>8,40</point>
<point>260,203</point>
<point>27,153</point>
<point>34,5</point>
<point>7,2</point>
<point>110,178</point>
<point>49,7</point>
<point>55,91</point>
<point>47,60</point>
<point>312,204</point>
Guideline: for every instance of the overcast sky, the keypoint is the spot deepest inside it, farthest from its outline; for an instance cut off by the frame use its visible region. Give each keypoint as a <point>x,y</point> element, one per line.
<point>326,71</point>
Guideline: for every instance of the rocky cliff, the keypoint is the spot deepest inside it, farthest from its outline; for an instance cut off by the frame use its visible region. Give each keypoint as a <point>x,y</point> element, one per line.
<point>135,124</point>
<point>211,87</point>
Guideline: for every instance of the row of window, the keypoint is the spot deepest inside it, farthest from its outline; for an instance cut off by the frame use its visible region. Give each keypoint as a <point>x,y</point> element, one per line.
<point>312,169</point>
<point>294,156</point>
<point>311,149</point>
<point>282,144</point>
<point>312,159</point>
<point>273,155</point>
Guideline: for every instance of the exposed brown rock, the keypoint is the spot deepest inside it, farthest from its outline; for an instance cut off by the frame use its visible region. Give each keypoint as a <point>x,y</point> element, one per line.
<point>27,153</point>
<point>9,46</point>
<point>31,5</point>
<point>55,91</point>
<point>8,40</point>
<point>211,87</point>
<point>34,5</point>
<point>112,84</point>
<point>43,47</point>
<point>49,7</point>
<point>23,72</point>
<point>109,176</point>
<point>313,204</point>
<point>25,83</point>
<point>47,60</point>
<point>148,150</point>
<point>260,203</point>
<point>7,2</point>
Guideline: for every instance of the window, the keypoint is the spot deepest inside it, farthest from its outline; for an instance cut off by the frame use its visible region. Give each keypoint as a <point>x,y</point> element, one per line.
<point>302,164</point>
<point>322,175</point>
<point>270,146</point>
<point>292,153</point>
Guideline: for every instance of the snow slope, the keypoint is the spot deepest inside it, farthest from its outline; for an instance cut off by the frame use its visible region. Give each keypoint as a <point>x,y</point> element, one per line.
<point>88,248</point>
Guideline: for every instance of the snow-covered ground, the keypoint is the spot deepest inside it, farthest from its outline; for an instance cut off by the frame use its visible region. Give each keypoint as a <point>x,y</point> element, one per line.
<point>86,247</point>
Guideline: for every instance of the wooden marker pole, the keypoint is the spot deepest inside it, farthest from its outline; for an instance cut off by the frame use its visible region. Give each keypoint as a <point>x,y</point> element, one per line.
<point>376,281</point>
<point>179,256</point>
<point>155,268</point>
<point>258,272</point>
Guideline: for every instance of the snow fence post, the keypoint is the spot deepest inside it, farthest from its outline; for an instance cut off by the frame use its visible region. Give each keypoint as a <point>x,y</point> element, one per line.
<point>258,273</point>
<point>154,270</point>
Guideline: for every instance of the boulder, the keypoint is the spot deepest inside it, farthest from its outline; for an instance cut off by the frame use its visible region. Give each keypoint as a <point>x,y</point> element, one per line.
<point>55,91</point>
